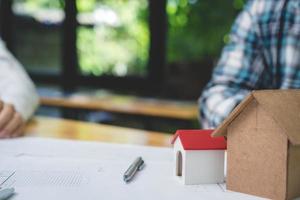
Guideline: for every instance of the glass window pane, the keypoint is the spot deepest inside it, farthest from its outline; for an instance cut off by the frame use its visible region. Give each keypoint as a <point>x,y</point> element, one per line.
<point>200,27</point>
<point>37,33</point>
<point>113,38</point>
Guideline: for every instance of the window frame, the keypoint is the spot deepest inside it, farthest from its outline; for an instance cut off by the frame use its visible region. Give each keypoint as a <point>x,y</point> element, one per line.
<point>70,79</point>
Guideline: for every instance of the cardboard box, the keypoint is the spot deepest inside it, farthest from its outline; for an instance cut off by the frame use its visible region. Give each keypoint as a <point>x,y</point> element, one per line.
<point>263,144</point>
<point>198,158</point>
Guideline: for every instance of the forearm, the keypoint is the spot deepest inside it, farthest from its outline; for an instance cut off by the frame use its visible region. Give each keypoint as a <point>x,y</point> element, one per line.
<point>16,88</point>
<point>238,71</point>
<point>217,102</point>
<point>24,99</point>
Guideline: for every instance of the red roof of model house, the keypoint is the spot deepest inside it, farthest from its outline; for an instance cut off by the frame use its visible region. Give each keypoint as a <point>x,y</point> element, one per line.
<point>199,140</point>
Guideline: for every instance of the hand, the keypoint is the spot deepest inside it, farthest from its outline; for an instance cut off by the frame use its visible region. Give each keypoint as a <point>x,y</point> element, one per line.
<point>11,122</point>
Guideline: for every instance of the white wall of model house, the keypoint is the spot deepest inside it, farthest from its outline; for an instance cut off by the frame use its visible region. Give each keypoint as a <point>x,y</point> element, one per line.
<point>194,167</point>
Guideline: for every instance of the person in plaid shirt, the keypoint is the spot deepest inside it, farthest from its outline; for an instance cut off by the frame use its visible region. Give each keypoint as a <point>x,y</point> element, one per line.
<point>263,53</point>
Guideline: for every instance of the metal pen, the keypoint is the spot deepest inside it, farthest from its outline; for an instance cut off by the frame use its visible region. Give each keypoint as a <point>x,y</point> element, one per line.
<point>137,165</point>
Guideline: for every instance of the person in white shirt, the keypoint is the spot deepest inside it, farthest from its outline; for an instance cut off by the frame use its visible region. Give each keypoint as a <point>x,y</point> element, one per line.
<point>18,96</point>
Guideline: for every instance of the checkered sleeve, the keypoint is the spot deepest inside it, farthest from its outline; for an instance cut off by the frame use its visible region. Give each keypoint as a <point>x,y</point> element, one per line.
<point>237,72</point>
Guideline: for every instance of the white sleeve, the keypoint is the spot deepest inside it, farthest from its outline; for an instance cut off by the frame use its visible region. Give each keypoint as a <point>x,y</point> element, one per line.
<point>15,85</point>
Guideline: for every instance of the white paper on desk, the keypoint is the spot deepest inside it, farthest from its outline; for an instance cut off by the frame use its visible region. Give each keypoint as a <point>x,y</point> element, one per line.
<point>51,169</point>
<point>41,147</point>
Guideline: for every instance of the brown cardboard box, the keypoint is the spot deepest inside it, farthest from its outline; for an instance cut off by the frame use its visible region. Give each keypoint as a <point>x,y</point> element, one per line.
<point>263,144</point>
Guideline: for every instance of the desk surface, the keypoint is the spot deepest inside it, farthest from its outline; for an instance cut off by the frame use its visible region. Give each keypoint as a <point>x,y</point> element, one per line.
<point>128,105</point>
<point>70,129</point>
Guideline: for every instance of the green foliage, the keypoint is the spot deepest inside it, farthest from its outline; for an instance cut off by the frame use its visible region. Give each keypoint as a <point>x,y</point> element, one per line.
<point>199,27</point>
<point>34,5</point>
<point>120,49</point>
<point>86,5</point>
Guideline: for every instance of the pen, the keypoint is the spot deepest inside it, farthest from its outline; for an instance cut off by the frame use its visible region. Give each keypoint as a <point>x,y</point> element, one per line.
<point>137,165</point>
<point>6,193</point>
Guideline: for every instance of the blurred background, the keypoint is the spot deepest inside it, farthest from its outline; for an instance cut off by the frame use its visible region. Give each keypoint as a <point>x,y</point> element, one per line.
<point>157,50</point>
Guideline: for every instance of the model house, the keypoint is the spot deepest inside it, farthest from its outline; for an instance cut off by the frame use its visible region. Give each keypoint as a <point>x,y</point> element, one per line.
<point>263,144</point>
<point>199,158</point>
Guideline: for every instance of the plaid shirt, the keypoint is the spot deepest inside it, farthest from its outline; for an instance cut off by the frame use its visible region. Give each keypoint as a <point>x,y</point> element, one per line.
<point>263,53</point>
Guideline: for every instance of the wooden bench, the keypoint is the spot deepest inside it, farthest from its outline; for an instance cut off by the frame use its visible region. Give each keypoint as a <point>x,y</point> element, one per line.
<point>181,110</point>
<point>78,130</point>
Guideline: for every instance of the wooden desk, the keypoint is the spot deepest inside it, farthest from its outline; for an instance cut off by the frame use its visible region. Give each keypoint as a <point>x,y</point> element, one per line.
<point>127,105</point>
<point>70,129</point>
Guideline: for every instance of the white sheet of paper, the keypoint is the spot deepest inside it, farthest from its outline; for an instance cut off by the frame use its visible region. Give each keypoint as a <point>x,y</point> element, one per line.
<point>62,169</point>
